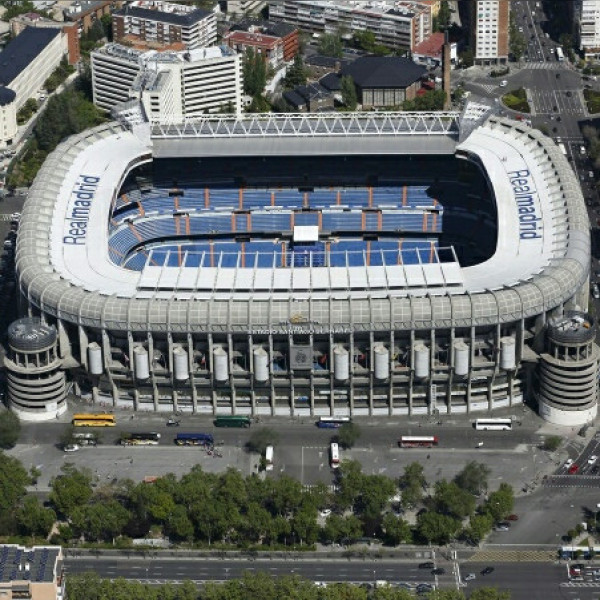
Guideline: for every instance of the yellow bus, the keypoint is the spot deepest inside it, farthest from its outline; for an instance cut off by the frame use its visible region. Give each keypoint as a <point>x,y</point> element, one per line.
<point>94,420</point>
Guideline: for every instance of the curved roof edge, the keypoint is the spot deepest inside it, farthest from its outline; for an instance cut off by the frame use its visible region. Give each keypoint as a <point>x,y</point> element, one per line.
<point>40,283</point>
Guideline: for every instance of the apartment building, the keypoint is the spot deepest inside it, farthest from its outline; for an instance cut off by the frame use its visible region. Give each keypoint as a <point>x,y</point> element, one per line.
<point>25,64</point>
<point>489,31</point>
<point>71,30</point>
<point>166,23</point>
<point>241,7</point>
<point>168,84</point>
<point>86,13</point>
<point>587,20</point>
<point>395,23</point>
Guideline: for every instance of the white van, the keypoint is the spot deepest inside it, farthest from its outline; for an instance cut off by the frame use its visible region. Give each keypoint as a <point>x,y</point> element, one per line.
<point>269,458</point>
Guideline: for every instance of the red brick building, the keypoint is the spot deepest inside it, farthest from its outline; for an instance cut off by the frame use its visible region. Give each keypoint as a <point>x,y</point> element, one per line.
<point>86,13</point>
<point>269,47</point>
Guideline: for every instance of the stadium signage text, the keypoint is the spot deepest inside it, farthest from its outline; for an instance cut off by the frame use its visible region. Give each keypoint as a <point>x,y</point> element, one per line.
<point>78,214</point>
<point>525,193</point>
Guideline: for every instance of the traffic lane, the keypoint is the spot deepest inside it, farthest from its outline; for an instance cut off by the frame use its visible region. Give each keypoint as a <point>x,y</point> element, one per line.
<point>217,569</point>
<point>384,433</point>
<point>526,581</point>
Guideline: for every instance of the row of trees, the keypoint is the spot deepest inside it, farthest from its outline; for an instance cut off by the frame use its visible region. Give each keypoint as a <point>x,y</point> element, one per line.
<point>230,509</point>
<point>66,113</point>
<point>254,586</point>
<point>59,75</point>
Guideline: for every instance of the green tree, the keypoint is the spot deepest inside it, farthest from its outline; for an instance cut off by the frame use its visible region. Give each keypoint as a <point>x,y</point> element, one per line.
<point>365,40</point>
<point>33,519</point>
<point>255,73</point>
<point>501,502</point>
<point>179,526</point>
<point>100,521</point>
<point>106,21</point>
<point>396,530</point>
<point>451,500</point>
<point>330,44</point>
<point>10,429</point>
<point>304,525</point>
<point>437,528</point>
<point>489,593</point>
<point>70,490</point>
<point>517,41</point>
<point>261,438</point>
<point>552,443</point>
<point>350,101</point>
<point>296,74</point>
<point>348,435</point>
<point>412,484</point>
<point>444,16</point>
<point>467,58</point>
<point>350,479</point>
<point>479,527</point>
<point>473,478</point>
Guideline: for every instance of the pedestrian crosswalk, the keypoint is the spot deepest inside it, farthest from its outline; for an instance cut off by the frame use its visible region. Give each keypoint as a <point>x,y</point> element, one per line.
<point>542,65</point>
<point>591,481</point>
<point>580,584</point>
<point>5,217</point>
<point>489,555</point>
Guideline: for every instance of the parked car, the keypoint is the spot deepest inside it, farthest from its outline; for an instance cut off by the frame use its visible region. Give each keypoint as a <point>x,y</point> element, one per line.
<point>592,459</point>
<point>573,469</point>
<point>71,448</point>
<point>569,462</point>
<point>172,423</point>
<point>487,570</point>
<point>512,518</point>
<point>469,577</point>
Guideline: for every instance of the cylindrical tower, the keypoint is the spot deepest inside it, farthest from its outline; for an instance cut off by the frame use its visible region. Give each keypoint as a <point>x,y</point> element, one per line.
<point>36,383</point>
<point>568,371</point>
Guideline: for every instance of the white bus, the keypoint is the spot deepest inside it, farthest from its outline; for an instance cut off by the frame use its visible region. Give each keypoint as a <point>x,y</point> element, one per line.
<point>559,54</point>
<point>269,458</point>
<point>334,453</point>
<point>493,425</point>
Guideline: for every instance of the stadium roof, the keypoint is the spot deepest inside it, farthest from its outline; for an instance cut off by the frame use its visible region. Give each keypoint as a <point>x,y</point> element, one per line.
<point>383,72</point>
<point>541,260</point>
<point>20,52</point>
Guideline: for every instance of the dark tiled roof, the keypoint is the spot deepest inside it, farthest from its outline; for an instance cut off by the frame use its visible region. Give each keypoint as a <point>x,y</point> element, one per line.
<point>294,99</point>
<point>20,52</point>
<point>165,17</point>
<point>331,81</point>
<point>312,91</point>
<point>6,96</point>
<point>278,28</point>
<point>318,60</point>
<point>384,72</point>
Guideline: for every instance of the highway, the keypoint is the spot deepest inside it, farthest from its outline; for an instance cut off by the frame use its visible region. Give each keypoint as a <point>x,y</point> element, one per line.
<point>527,581</point>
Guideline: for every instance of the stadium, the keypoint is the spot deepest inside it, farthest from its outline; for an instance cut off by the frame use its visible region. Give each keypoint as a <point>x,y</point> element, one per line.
<point>355,264</point>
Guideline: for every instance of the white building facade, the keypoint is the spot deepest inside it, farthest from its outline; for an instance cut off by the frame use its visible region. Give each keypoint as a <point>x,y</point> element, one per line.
<point>588,22</point>
<point>395,23</point>
<point>490,21</point>
<point>168,84</point>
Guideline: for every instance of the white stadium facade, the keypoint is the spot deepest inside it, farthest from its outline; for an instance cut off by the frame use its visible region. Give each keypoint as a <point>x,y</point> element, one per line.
<point>349,264</point>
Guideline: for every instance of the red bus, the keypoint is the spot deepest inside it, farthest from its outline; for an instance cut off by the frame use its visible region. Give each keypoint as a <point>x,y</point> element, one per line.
<point>418,441</point>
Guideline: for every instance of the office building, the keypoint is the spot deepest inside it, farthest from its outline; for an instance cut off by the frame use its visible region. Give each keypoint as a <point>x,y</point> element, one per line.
<point>395,23</point>
<point>189,83</point>
<point>166,23</point>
